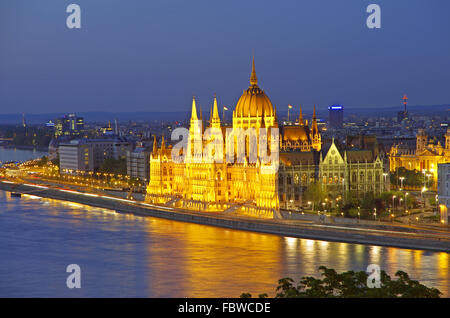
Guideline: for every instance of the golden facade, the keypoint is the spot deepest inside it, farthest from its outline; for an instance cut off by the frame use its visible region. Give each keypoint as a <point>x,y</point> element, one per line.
<point>301,137</point>
<point>196,183</point>
<point>425,158</point>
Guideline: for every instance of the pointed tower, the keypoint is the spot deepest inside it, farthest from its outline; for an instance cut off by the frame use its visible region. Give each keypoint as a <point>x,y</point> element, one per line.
<point>314,128</point>
<point>300,117</point>
<point>316,139</point>
<point>155,146</point>
<point>195,132</point>
<point>253,78</point>
<point>163,145</point>
<point>210,115</point>
<point>194,110</point>
<point>215,119</point>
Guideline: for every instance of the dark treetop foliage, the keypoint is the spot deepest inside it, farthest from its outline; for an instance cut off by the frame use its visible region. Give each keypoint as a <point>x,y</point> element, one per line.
<point>351,285</point>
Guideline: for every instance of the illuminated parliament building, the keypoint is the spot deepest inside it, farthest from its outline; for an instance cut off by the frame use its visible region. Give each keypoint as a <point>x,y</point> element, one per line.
<point>204,185</point>
<point>253,188</point>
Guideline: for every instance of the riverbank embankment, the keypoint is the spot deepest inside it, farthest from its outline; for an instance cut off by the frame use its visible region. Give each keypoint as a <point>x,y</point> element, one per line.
<point>439,241</point>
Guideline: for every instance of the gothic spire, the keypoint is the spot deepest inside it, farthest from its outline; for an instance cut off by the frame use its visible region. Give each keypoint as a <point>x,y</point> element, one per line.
<point>253,78</point>
<point>194,110</point>
<point>300,117</point>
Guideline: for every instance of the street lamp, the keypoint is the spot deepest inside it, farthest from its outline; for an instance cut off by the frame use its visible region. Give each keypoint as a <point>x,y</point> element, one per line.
<point>401,182</point>
<point>385,176</point>
<point>393,203</point>
<point>423,200</point>
<point>436,199</point>
<point>400,203</point>
<point>406,201</point>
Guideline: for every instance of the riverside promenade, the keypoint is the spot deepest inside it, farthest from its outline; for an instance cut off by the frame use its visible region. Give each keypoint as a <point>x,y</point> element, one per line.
<point>382,235</point>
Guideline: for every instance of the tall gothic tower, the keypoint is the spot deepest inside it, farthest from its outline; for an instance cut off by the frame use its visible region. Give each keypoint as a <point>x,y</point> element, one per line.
<point>316,139</point>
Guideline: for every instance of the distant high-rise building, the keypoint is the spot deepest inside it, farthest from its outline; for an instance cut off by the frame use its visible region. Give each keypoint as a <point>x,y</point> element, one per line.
<point>68,125</point>
<point>403,115</point>
<point>335,116</point>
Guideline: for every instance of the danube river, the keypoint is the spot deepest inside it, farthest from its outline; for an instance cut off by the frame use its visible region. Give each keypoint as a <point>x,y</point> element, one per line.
<point>12,154</point>
<point>129,256</point>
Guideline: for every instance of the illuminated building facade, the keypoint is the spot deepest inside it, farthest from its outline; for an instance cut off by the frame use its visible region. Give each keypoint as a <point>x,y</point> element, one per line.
<point>301,137</point>
<point>425,158</point>
<point>198,183</point>
<point>68,125</point>
<point>352,171</point>
<point>138,163</point>
<point>81,155</point>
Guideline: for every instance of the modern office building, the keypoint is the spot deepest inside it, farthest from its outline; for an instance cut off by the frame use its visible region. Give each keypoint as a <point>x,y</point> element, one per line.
<point>69,125</point>
<point>76,156</point>
<point>444,191</point>
<point>83,155</point>
<point>335,116</point>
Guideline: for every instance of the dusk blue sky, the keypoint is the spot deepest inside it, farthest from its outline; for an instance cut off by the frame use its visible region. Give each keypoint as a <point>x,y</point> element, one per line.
<point>153,55</point>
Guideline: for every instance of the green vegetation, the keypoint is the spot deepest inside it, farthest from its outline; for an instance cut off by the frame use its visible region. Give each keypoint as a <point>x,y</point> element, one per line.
<point>115,166</point>
<point>315,193</point>
<point>412,178</point>
<point>368,204</point>
<point>351,285</point>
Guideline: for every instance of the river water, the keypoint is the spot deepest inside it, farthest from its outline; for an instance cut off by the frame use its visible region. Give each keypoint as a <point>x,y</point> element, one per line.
<point>130,256</point>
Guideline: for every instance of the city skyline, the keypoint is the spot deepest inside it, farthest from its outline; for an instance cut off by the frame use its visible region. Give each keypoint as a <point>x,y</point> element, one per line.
<point>135,58</point>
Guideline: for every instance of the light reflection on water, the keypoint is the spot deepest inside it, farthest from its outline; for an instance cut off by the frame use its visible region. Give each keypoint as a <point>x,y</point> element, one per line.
<point>129,256</point>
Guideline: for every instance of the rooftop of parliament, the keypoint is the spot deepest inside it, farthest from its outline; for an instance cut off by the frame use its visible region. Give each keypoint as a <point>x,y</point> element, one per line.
<point>303,158</point>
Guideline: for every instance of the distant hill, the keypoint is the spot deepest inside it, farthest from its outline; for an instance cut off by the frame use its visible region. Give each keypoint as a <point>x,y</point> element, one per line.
<point>436,110</point>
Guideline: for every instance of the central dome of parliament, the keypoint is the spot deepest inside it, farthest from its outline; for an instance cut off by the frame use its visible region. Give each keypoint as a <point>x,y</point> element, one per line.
<point>254,102</point>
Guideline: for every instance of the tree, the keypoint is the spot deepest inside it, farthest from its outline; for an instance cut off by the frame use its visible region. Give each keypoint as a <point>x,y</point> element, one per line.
<point>116,166</point>
<point>315,193</point>
<point>412,178</point>
<point>352,284</point>
<point>43,161</point>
